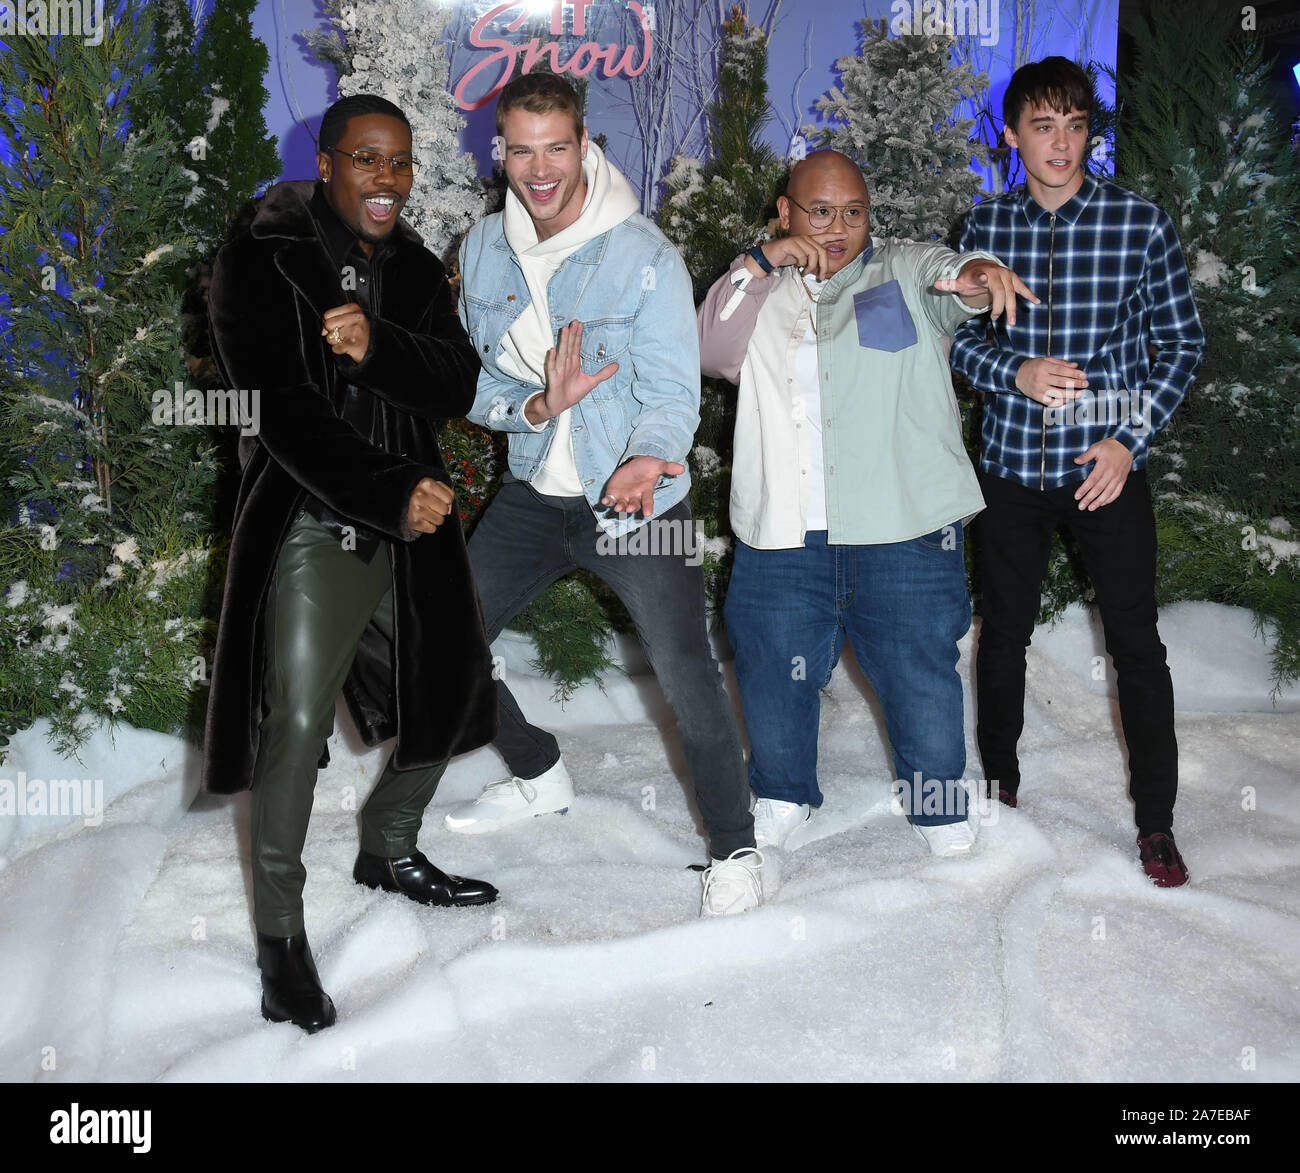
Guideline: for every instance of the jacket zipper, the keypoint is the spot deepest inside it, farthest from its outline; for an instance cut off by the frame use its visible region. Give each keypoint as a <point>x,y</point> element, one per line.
<point>1042,437</point>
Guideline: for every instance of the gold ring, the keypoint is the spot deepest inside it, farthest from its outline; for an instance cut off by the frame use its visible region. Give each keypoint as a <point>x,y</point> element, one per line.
<point>336,336</point>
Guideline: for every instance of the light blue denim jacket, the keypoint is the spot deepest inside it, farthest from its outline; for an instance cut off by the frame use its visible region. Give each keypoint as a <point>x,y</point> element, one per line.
<point>630,289</point>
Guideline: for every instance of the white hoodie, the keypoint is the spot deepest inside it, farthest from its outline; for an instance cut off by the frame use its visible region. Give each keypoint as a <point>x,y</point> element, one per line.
<point>609,201</point>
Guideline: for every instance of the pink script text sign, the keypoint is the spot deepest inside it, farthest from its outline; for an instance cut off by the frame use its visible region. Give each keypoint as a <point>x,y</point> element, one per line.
<point>584,59</point>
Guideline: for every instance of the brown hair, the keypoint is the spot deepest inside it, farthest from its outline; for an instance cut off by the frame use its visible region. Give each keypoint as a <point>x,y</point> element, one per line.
<point>1056,83</point>
<point>540,93</point>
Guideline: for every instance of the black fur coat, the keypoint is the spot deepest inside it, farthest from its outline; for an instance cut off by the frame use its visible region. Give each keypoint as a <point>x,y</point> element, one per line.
<point>270,287</point>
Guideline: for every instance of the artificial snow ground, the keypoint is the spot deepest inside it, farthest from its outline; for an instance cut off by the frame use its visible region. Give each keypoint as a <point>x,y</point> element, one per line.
<point>126,948</point>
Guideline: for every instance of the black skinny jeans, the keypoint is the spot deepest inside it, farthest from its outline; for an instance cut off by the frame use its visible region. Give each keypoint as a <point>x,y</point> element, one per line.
<point>1118,543</point>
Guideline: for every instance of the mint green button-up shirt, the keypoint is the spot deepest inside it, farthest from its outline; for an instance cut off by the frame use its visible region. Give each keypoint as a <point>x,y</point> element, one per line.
<point>894,463</point>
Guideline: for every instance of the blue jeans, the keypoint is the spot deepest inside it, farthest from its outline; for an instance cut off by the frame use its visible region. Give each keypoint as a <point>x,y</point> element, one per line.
<point>903,607</point>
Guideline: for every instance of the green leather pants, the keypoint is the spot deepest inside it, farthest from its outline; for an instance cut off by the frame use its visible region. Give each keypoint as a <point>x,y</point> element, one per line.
<point>321,599</point>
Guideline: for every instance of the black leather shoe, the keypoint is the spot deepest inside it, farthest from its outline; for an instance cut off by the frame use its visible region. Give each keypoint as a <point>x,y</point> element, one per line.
<point>291,990</point>
<point>416,877</point>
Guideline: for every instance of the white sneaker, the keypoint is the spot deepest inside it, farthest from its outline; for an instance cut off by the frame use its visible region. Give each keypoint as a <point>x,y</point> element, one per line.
<point>774,820</point>
<point>513,800</point>
<point>950,839</point>
<point>734,884</point>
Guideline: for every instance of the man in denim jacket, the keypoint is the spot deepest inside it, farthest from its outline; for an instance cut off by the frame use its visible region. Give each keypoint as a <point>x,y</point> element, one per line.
<point>600,421</point>
<point>850,487</point>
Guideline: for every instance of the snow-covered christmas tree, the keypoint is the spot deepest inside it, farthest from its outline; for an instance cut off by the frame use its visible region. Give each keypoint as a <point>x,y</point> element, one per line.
<point>893,112</point>
<point>104,560</point>
<point>719,205</point>
<point>395,48</point>
<point>1199,135</point>
<point>210,89</point>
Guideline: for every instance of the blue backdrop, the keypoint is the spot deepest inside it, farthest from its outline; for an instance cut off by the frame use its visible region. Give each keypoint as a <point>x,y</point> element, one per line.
<point>806,41</point>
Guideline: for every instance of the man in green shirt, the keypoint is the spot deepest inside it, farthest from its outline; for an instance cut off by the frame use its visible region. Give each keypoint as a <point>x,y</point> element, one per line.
<point>850,488</point>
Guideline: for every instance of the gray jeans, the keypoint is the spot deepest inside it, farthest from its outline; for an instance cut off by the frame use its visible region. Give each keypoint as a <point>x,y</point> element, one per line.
<point>524,542</point>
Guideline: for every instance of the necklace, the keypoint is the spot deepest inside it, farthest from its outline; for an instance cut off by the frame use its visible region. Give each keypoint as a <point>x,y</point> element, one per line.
<point>812,312</point>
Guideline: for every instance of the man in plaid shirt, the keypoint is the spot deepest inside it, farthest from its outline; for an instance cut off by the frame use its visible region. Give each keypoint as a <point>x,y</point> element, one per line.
<point>1074,392</point>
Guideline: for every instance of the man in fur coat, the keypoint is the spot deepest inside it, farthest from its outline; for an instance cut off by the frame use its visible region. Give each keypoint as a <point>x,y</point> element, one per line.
<point>347,563</point>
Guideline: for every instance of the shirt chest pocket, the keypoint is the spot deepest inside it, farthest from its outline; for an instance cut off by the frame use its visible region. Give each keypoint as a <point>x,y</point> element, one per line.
<point>486,321</point>
<point>604,342</point>
<point>884,321</point>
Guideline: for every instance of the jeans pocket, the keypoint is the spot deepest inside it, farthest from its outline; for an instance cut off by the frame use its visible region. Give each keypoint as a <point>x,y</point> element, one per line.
<point>947,538</point>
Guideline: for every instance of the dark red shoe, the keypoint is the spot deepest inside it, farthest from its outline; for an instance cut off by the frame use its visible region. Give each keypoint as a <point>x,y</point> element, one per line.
<point>1161,861</point>
<point>1005,797</point>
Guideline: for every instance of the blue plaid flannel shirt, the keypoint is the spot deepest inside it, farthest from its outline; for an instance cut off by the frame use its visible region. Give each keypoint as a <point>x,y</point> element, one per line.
<point>1113,284</point>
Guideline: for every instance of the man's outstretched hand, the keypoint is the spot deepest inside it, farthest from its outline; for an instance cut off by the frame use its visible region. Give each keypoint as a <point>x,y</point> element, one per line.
<point>431,502</point>
<point>982,282</point>
<point>631,488</point>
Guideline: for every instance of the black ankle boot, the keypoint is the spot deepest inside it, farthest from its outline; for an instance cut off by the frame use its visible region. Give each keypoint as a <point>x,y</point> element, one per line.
<point>414,876</point>
<point>291,990</point>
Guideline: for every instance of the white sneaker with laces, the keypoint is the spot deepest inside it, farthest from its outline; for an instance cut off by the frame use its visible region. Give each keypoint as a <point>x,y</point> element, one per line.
<point>734,884</point>
<point>774,820</point>
<point>949,840</point>
<point>512,800</point>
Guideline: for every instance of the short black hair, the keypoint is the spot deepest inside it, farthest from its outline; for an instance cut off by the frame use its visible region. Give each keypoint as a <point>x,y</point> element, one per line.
<point>334,124</point>
<point>1055,83</point>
